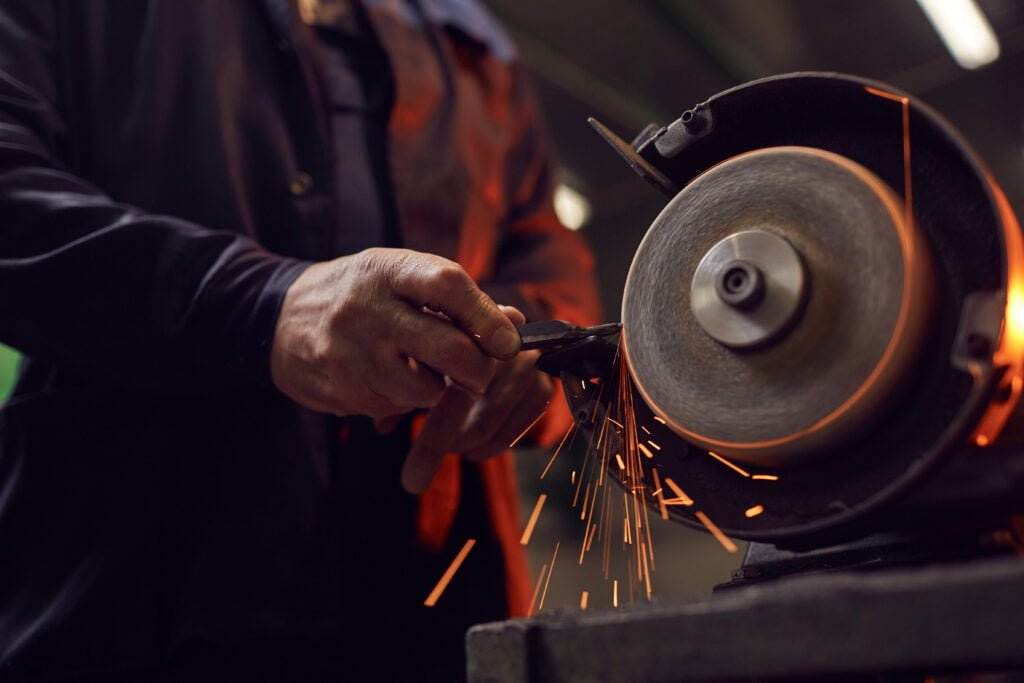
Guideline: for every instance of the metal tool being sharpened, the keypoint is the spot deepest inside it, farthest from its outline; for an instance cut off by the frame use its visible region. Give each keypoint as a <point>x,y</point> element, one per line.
<point>824,327</point>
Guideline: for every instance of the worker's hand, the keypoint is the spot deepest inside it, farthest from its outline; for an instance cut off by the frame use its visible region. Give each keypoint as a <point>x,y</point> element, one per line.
<point>376,333</point>
<point>479,426</point>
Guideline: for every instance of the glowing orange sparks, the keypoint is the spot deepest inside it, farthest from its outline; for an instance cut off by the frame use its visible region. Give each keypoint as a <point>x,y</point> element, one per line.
<point>654,445</point>
<point>659,495</point>
<point>645,450</point>
<point>536,589</point>
<point>554,556</point>
<point>554,456</point>
<point>449,573</point>
<point>618,460</point>
<point>615,593</point>
<point>584,599</point>
<point>660,419</point>
<point>730,465</point>
<point>681,496</point>
<point>716,532</point>
<point>754,511</point>
<point>765,477</point>
<point>528,427</point>
<point>532,522</point>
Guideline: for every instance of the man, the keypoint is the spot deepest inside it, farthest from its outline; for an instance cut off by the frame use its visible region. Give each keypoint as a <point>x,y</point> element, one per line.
<point>240,243</point>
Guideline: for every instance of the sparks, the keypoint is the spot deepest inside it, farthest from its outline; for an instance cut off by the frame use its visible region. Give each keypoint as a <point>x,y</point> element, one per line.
<point>590,539</point>
<point>660,419</point>
<point>618,459</point>
<point>659,495</point>
<point>529,427</point>
<point>449,573</point>
<point>680,493</point>
<point>908,187</point>
<point>716,532</point>
<point>571,430</point>
<point>729,464</point>
<point>765,477</point>
<point>754,511</point>
<point>536,590</point>
<point>584,599</point>
<point>554,556</point>
<point>654,445</point>
<point>615,593</point>
<point>532,522</point>
<point>645,450</point>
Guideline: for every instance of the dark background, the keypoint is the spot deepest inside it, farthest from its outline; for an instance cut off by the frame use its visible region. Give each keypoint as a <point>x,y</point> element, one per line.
<point>632,62</point>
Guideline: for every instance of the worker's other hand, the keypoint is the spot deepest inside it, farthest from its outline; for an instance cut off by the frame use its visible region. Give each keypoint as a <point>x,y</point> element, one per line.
<point>376,333</point>
<point>479,426</point>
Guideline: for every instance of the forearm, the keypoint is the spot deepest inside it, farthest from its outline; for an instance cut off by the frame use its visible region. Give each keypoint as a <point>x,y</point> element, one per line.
<point>111,292</point>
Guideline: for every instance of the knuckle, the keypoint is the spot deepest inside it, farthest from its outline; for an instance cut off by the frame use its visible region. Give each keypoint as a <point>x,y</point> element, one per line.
<point>379,263</point>
<point>322,353</point>
<point>450,276</point>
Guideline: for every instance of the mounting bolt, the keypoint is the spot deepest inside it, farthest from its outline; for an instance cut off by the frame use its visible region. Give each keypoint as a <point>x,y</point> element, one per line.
<point>740,284</point>
<point>694,120</point>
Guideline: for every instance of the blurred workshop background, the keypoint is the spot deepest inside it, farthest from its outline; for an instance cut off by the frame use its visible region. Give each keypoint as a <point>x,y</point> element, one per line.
<point>633,62</point>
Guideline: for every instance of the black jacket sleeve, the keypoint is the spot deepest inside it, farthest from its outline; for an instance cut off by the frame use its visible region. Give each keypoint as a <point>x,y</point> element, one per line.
<point>105,290</point>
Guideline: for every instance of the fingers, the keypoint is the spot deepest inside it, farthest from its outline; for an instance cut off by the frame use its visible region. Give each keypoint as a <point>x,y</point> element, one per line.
<point>445,349</point>
<point>442,285</point>
<point>386,425</point>
<point>406,383</point>
<point>512,381</point>
<point>521,417</point>
<point>438,437</point>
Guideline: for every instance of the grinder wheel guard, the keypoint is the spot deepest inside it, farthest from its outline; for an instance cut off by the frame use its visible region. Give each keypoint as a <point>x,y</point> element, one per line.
<point>815,322</point>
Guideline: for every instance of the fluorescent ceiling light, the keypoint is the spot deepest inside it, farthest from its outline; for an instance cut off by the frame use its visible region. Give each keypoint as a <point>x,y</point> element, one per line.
<point>572,208</point>
<point>964,29</point>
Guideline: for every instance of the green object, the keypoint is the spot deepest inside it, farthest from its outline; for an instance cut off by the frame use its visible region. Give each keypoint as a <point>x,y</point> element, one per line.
<point>8,370</point>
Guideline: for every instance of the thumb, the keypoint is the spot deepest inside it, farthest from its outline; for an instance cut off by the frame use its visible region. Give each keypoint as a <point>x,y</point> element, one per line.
<point>513,314</point>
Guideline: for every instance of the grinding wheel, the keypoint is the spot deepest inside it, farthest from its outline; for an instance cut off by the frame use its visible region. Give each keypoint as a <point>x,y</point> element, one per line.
<point>775,303</point>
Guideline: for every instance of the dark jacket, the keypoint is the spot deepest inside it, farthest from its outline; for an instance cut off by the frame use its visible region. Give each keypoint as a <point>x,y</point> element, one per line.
<point>165,174</point>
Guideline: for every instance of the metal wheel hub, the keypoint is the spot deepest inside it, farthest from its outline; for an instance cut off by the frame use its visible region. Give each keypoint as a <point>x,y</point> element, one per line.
<point>748,289</point>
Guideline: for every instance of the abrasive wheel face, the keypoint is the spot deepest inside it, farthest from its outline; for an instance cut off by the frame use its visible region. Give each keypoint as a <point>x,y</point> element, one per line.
<point>775,303</point>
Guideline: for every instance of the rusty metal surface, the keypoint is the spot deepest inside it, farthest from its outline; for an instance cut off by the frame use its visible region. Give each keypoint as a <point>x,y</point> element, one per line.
<point>940,619</point>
